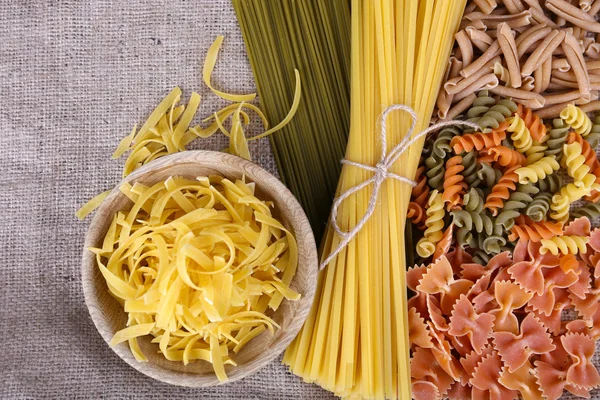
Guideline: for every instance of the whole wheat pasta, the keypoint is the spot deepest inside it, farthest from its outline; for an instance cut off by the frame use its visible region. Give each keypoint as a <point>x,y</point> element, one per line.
<point>478,24</point>
<point>475,66</point>
<point>542,76</point>
<point>514,6</point>
<point>458,84</point>
<point>533,4</point>
<point>461,106</point>
<point>565,97</point>
<point>562,64</point>
<point>528,83</point>
<point>538,16</point>
<point>594,8</point>
<point>570,76</point>
<point>493,20</point>
<point>487,6</point>
<point>543,52</point>
<point>591,106</point>
<point>554,111</point>
<point>479,38</point>
<point>593,51</point>
<point>488,81</point>
<point>575,57</point>
<point>527,39</point>
<point>508,46</point>
<point>520,95</point>
<point>465,46</point>
<point>573,14</point>
<point>585,5</point>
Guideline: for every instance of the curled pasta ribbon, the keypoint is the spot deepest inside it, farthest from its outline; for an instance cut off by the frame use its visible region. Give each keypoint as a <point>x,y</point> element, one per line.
<point>576,191</point>
<point>485,379</point>
<point>534,123</point>
<point>535,231</point>
<point>560,208</point>
<point>478,141</point>
<point>501,191</point>
<point>416,213</point>
<point>578,120</point>
<point>580,349</point>
<point>420,192</point>
<point>504,156</point>
<point>465,321</point>
<point>575,161</point>
<point>565,245</point>
<point>454,185</point>
<point>535,152</point>
<point>435,225</point>
<point>538,170</point>
<point>521,136</point>
<point>591,158</point>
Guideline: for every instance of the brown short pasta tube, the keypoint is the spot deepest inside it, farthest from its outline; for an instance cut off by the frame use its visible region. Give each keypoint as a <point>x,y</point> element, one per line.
<point>466,47</point>
<point>527,39</point>
<point>488,81</point>
<point>542,76</point>
<point>458,84</point>
<point>508,46</point>
<point>573,14</point>
<point>534,100</point>
<point>479,38</point>
<point>489,54</point>
<point>460,107</point>
<point>486,6</point>
<point>543,52</point>
<point>574,55</point>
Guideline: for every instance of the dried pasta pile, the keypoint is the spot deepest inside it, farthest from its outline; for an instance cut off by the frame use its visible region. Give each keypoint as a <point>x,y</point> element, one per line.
<point>355,339</point>
<point>545,54</point>
<point>503,254</point>
<point>196,264</point>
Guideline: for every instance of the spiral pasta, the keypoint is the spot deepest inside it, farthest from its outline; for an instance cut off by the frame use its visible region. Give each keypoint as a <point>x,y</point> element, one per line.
<point>578,120</point>
<point>442,143</point>
<point>472,220</point>
<point>551,183</point>
<point>480,106</point>
<point>557,136</point>
<point>477,141</point>
<point>535,152</point>
<point>454,185</point>
<point>496,115</point>
<point>591,159</point>
<point>536,127</point>
<point>591,211</point>
<point>473,200</point>
<point>504,156</point>
<point>574,160</point>
<point>535,231</point>
<point>416,213</point>
<point>560,208</point>
<point>538,170</point>
<point>539,206</point>
<point>488,175</point>
<point>501,191</point>
<point>420,193</point>
<point>517,201</point>
<point>565,245</point>
<point>576,191</point>
<point>469,161</point>
<point>434,223</point>
<point>435,170</point>
<point>521,136</point>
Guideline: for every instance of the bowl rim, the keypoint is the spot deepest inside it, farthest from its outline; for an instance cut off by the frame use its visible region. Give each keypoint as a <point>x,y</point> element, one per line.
<point>304,237</point>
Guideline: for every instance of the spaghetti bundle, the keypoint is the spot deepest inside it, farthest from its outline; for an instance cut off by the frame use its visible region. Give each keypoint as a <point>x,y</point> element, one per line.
<point>312,36</point>
<point>355,340</point>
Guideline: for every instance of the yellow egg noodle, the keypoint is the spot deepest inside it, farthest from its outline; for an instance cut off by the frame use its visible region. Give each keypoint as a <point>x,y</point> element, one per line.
<point>167,130</point>
<point>355,340</point>
<point>196,264</point>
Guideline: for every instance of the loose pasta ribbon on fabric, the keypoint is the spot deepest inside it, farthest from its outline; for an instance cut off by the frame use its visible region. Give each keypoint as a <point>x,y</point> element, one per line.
<point>381,172</point>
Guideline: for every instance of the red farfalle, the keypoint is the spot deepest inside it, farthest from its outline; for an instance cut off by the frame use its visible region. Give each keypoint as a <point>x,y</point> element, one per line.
<point>457,257</point>
<point>515,350</point>
<point>594,242</point>
<point>484,302</point>
<point>553,278</point>
<point>419,302</point>
<point>418,331</point>
<point>589,327</point>
<point>464,320</point>
<point>509,296</point>
<point>443,246</point>
<point>580,348</point>
<point>436,316</point>
<point>528,273</point>
<point>578,227</point>
<point>485,380</point>
<point>583,284</point>
<point>414,275</point>
<point>481,285</point>
<point>523,380</point>
<point>424,390</point>
<point>587,306</point>
<point>470,361</point>
<point>551,370</point>
<point>439,278</point>
<point>424,367</point>
<point>459,391</point>
<point>442,351</point>
<point>553,320</point>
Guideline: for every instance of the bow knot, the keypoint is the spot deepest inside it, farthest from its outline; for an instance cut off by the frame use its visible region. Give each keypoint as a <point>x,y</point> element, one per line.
<point>381,172</point>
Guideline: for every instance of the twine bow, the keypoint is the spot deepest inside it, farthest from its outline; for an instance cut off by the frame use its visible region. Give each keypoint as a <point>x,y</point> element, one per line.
<point>381,172</point>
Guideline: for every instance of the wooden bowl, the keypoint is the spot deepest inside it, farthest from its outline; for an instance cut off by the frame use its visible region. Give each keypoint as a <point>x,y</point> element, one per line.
<point>109,317</point>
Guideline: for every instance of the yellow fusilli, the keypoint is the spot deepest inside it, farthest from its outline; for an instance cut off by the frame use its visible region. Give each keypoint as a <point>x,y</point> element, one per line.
<point>564,245</point>
<point>521,136</point>
<point>434,223</point>
<point>538,170</point>
<point>560,208</point>
<point>578,120</point>
<point>574,160</point>
<point>576,191</point>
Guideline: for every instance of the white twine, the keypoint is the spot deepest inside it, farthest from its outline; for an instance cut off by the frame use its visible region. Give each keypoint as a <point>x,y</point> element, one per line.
<point>381,172</point>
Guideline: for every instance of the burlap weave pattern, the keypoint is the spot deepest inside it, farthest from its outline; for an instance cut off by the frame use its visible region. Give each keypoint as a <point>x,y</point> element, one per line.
<point>74,78</point>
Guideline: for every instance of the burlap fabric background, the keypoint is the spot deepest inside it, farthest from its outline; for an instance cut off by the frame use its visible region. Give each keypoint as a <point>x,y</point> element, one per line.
<point>74,77</point>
